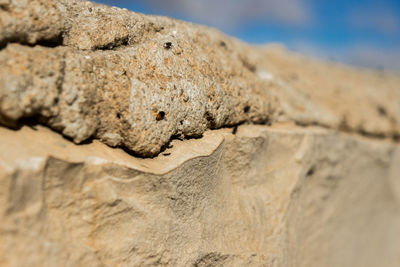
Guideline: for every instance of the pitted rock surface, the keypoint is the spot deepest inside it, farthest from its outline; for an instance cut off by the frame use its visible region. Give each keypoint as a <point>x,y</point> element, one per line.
<point>317,184</point>
<point>135,81</point>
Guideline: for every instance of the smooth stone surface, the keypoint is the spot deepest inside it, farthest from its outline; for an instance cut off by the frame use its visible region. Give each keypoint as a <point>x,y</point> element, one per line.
<point>266,196</point>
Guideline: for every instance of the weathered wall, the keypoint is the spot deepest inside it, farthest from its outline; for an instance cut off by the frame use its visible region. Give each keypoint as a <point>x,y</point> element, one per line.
<point>294,162</point>
<point>266,196</point>
<point>135,81</point>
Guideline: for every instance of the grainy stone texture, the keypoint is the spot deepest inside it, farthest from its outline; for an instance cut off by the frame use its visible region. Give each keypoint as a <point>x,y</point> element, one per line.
<point>266,196</point>
<point>91,71</point>
<point>317,184</point>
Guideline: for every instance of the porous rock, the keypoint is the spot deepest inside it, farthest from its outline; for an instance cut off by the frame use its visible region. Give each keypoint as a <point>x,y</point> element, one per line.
<point>135,81</point>
<point>295,161</point>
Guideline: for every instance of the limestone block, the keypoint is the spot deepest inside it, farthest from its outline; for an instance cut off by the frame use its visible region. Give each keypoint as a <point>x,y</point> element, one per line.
<point>133,140</point>
<point>134,81</point>
<point>264,196</point>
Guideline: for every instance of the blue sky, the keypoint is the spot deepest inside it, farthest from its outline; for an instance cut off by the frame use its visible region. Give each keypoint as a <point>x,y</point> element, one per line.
<point>364,33</point>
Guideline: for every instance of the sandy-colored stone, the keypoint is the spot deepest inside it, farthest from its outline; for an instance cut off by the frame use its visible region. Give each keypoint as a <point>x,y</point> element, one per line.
<point>317,184</point>
<point>266,196</point>
<point>135,81</point>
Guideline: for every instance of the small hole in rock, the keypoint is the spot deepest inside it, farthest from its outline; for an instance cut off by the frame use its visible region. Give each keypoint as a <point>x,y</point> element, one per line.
<point>234,130</point>
<point>167,45</point>
<point>118,115</point>
<point>160,115</point>
<point>210,119</point>
<point>246,109</point>
<point>382,111</point>
<point>310,171</point>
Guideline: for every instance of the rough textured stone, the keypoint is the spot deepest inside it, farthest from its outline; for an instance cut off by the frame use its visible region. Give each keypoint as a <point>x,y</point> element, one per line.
<point>134,81</point>
<point>266,196</point>
<point>316,185</point>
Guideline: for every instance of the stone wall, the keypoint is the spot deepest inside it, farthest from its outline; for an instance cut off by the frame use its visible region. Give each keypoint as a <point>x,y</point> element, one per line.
<point>133,140</point>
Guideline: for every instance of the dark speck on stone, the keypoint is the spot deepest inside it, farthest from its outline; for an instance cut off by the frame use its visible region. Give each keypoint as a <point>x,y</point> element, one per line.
<point>167,45</point>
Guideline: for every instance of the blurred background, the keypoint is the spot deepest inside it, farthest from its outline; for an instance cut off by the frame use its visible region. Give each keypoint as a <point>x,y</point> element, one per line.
<point>364,33</point>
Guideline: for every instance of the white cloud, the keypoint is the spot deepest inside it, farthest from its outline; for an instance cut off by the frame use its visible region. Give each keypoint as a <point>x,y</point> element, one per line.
<point>233,13</point>
<point>363,55</point>
<point>374,57</point>
<point>376,18</point>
